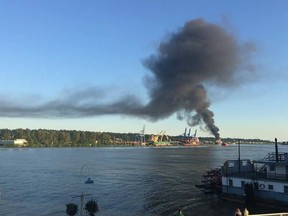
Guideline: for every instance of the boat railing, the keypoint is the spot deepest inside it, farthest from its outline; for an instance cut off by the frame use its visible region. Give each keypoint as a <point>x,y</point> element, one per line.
<point>260,167</point>
<point>258,175</point>
<point>272,156</point>
<point>271,214</point>
<point>272,176</point>
<point>277,176</point>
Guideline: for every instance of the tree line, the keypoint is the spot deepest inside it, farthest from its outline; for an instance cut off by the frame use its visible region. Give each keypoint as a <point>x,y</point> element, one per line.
<point>69,138</point>
<point>76,138</point>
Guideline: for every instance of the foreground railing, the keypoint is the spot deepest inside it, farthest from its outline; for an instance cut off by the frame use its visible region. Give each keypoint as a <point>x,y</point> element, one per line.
<point>271,214</point>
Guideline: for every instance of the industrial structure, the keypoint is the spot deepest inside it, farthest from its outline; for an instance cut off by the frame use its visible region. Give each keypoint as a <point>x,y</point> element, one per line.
<point>16,142</point>
<point>190,140</point>
<point>161,139</point>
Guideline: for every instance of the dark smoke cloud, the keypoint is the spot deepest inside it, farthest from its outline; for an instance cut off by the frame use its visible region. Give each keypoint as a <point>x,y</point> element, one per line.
<point>196,56</point>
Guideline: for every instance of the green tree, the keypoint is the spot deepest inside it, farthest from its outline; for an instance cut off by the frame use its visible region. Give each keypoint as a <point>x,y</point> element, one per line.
<point>6,134</point>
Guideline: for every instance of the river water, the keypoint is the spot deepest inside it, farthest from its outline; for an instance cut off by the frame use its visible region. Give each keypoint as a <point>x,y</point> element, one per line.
<point>128,181</point>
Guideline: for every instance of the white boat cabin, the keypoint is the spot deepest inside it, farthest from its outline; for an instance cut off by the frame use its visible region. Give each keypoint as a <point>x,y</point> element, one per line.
<point>266,178</point>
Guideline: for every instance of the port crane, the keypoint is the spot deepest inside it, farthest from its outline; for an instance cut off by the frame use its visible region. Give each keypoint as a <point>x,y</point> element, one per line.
<point>189,133</point>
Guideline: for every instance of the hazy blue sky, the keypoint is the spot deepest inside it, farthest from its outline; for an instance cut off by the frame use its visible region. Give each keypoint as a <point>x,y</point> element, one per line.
<point>56,50</point>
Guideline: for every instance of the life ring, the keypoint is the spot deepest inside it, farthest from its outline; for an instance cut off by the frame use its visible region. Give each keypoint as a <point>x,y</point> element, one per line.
<point>262,186</point>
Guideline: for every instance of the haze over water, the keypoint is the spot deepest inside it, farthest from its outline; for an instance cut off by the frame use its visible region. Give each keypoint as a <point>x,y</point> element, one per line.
<point>132,181</point>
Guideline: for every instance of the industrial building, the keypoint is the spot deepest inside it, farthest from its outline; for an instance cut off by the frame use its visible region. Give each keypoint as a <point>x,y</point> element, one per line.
<point>17,142</point>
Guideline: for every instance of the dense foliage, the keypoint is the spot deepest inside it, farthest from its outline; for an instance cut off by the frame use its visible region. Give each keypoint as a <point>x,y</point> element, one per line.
<point>74,138</point>
<point>91,207</point>
<point>68,138</point>
<point>71,209</point>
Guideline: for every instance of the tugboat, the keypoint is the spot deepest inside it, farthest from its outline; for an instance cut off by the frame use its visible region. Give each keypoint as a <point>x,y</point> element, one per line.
<point>261,182</point>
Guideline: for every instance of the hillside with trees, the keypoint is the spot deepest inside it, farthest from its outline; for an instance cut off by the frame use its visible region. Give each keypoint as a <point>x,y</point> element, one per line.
<point>75,138</point>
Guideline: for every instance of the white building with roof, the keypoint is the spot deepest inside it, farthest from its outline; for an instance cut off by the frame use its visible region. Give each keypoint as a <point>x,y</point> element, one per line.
<point>17,142</point>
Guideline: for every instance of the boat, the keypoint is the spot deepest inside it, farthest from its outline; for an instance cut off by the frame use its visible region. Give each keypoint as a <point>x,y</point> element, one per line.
<point>89,181</point>
<point>188,140</point>
<point>219,142</point>
<point>162,143</point>
<point>193,141</point>
<point>262,182</point>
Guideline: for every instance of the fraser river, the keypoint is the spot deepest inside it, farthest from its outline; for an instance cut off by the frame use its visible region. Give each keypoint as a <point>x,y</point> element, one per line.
<point>128,181</point>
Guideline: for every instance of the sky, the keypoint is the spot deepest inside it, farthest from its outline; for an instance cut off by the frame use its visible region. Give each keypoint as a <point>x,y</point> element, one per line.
<point>98,66</point>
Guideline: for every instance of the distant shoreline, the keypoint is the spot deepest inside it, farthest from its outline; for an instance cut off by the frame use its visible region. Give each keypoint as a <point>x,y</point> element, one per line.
<point>74,138</point>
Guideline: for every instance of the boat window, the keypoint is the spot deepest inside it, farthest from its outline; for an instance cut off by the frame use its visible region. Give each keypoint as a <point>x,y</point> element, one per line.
<point>231,164</point>
<point>272,168</point>
<point>285,189</point>
<point>244,163</point>
<point>230,182</point>
<point>243,184</point>
<point>256,185</point>
<point>270,187</point>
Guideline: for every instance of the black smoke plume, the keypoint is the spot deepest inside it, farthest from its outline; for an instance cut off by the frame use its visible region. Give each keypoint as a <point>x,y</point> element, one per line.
<point>187,61</point>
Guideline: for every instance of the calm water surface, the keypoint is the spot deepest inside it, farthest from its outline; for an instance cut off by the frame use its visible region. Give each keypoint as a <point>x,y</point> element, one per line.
<point>136,181</point>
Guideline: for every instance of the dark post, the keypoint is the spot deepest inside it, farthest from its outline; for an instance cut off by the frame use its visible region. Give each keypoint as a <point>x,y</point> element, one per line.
<point>276,149</point>
<point>239,167</point>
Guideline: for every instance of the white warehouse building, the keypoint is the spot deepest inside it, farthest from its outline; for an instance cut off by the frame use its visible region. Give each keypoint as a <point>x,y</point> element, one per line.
<point>18,142</point>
